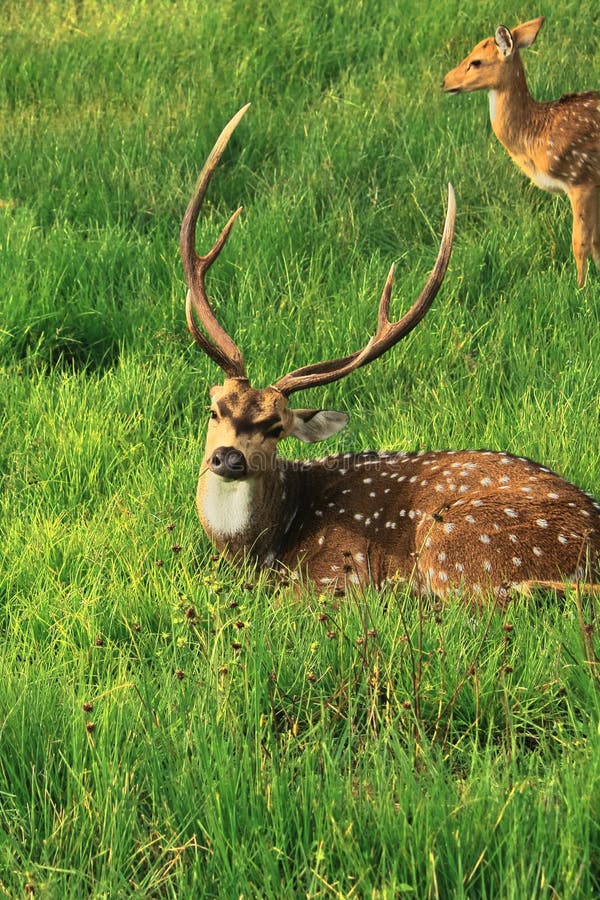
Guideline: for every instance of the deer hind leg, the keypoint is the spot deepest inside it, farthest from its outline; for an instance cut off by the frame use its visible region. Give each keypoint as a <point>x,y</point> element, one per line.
<point>596,235</point>
<point>472,547</point>
<point>584,202</point>
<point>526,588</point>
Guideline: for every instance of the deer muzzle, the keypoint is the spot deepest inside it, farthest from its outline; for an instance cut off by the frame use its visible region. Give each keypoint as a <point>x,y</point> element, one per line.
<point>229,463</point>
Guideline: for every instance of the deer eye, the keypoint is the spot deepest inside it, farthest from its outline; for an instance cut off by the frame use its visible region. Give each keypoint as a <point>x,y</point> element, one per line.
<point>213,416</point>
<point>474,64</point>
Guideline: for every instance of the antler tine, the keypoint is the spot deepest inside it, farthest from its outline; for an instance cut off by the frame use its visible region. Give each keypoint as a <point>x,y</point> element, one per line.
<point>221,348</point>
<point>388,333</point>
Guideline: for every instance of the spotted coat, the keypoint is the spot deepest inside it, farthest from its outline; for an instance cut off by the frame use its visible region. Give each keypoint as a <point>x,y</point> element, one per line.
<point>556,143</point>
<point>476,521</point>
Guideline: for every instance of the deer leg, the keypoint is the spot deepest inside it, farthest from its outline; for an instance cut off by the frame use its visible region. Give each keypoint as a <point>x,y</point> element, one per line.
<point>584,202</point>
<point>525,588</point>
<point>596,235</point>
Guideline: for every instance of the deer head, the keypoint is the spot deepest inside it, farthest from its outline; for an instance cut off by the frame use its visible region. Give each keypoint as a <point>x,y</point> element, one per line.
<point>489,64</point>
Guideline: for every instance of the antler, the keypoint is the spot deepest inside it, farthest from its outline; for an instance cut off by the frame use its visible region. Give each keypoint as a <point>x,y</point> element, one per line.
<point>221,348</point>
<point>388,333</point>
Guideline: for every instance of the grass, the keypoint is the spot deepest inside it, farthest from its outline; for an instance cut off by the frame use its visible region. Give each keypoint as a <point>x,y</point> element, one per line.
<point>170,726</point>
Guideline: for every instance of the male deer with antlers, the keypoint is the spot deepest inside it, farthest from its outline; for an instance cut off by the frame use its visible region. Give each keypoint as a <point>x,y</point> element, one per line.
<point>475,521</point>
<point>556,143</point>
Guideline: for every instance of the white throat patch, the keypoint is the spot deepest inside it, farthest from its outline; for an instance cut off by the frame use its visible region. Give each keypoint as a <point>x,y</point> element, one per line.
<point>227,505</point>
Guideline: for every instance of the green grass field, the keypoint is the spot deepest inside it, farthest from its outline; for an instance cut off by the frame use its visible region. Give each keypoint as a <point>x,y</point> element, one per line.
<point>170,727</point>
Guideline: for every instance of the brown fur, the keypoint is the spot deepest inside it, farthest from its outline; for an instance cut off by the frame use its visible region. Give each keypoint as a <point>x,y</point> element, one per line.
<point>556,143</point>
<point>475,521</point>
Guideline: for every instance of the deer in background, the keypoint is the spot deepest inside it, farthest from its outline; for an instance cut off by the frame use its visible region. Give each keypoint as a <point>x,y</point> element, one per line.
<point>556,143</point>
<point>476,521</point>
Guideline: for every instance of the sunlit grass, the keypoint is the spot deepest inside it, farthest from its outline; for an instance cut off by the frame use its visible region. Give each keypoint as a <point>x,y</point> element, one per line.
<point>170,726</point>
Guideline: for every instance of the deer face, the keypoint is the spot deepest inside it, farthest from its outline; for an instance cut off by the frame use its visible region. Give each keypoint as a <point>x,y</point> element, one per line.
<point>486,66</point>
<point>480,70</point>
<point>246,425</point>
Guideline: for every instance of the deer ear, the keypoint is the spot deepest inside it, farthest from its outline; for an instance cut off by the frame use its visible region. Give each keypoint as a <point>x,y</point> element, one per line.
<point>312,425</point>
<point>504,41</point>
<point>524,35</point>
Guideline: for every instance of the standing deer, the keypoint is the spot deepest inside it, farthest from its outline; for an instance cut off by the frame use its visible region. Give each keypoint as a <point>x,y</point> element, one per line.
<point>476,521</point>
<point>556,143</point>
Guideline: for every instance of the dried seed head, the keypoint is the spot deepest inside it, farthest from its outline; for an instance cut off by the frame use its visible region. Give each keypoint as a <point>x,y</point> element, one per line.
<point>87,707</point>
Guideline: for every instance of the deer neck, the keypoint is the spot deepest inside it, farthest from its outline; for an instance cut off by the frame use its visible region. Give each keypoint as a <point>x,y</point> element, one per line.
<point>513,111</point>
<point>249,517</point>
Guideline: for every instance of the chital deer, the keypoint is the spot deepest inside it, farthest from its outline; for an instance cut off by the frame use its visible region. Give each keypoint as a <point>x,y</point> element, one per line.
<point>556,143</point>
<point>470,520</point>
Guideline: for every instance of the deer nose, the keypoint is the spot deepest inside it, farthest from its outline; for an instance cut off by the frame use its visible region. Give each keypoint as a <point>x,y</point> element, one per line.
<point>228,463</point>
